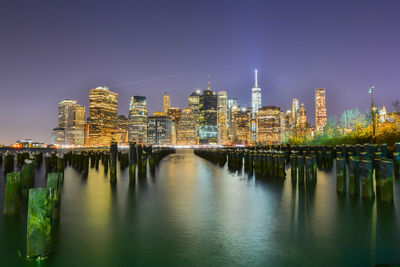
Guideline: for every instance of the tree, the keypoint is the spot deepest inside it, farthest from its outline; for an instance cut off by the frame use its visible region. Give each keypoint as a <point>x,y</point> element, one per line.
<point>396,106</point>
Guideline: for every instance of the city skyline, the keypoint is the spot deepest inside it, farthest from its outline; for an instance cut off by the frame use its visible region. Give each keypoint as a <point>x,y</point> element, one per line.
<point>296,47</point>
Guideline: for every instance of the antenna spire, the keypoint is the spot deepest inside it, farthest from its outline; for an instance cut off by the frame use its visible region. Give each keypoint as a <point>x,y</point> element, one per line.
<point>256,74</point>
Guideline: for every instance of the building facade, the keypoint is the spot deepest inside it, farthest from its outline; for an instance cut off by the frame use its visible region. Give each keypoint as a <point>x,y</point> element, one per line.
<point>159,129</point>
<point>242,124</point>
<point>186,130</point>
<point>320,109</point>
<point>194,105</point>
<point>271,125</point>
<point>255,96</point>
<point>222,118</point>
<point>103,112</point>
<point>122,135</point>
<point>208,130</point>
<point>71,120</point>
<point>138,120</point>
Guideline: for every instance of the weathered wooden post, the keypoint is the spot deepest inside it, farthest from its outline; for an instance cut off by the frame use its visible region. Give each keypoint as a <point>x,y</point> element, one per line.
<point>55,184</point>
<point>366,171</point>
<point>113,162</point>
<point>386,185</point>
<point>281,166</point>
<point>12,199</point>
<point>384,150</point>
<point>85,165</point>
<point>60,164</point>
<point>300,167</point>
<point>354,175</point>
<point>8,162</point>
<point>106,161</point>
<point>39,228</point>
<point>396,161</point>
<point>340,174</point>
<point>293,167</point>
<point>309,169</point>
<point>378,171</point>
<point>27,176</point>
<point>132,161</point>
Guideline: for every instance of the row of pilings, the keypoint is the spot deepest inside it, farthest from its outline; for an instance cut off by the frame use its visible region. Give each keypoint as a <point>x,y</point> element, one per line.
<point>359,168</point>
<point>10,161</point>
<point>43,204</point>
<point>368,170</point>
<point>138,158</point>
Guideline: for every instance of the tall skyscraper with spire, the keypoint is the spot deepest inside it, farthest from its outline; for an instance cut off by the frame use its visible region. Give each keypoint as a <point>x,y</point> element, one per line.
<point>255,96</point>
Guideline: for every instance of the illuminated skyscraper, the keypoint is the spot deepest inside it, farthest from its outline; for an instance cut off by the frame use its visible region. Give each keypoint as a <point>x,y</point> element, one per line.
<point>78,127</point>
<point>138,120</point>
<point>295,108</point>
<point>232,106</point>
<point>103,110</point>
<point>301,126</point>
<point>159,129</point>
<point>222,118</point>
<point>242,124</point>
<point>320,109</point>
<point>271,125</point>
<point>123,130</point>
<point>255,96</point>
<point>194,105</point>
<point>186,130</point>
<point>71,124</point>
<point>166,103</point>
<point>208,132</point>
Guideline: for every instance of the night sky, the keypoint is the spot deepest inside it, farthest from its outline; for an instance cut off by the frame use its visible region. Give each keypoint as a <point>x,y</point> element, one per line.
<point>52,50</point>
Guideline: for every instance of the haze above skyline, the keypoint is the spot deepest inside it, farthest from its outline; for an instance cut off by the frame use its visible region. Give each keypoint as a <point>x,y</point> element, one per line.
<point>53,50</point>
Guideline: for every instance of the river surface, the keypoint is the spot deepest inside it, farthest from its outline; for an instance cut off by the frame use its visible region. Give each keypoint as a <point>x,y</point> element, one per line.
<point>195,213</point>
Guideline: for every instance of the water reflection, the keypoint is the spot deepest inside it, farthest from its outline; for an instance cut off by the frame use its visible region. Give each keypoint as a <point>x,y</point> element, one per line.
<point>193,212</point>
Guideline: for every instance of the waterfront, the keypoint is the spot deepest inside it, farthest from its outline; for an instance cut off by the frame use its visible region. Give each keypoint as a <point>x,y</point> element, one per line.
<point>193,212</point>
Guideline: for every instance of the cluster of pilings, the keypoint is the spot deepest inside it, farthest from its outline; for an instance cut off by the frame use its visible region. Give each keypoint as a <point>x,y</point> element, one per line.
<point>261,162</point>
<point>368,170</point>
<point>136,157</point>
<point>360,163</point>
<point>43,204</point>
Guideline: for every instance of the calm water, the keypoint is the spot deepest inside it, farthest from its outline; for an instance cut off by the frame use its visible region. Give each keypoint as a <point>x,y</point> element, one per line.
<point>196,213</point>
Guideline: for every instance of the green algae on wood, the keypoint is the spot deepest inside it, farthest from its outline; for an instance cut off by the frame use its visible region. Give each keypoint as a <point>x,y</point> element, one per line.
<point>55,184</point>
<point>39,227</point>
<point>12,199</point>
<point>366,171</point>
<point>27,176</point>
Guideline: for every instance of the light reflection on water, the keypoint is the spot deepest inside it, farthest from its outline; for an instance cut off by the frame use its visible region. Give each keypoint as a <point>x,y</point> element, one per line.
<point>192,212</point>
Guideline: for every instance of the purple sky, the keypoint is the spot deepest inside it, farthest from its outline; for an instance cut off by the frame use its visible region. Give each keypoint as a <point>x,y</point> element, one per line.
<point>51,50</point>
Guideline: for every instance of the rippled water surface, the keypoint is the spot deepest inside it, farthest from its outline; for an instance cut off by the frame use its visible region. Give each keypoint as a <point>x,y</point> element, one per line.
<point>193,212</point>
